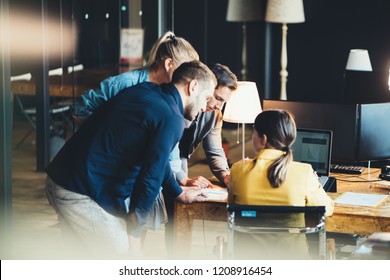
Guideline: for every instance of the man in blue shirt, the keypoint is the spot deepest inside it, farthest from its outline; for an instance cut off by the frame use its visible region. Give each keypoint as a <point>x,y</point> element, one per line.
<point>113,166</point>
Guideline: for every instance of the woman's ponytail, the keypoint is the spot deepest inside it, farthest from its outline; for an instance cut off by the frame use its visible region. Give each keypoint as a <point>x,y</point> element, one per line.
<point>280,129</point>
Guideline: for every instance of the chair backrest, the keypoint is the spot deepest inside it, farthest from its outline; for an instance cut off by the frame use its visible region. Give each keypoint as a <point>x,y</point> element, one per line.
<point>26,105</point>
<point>276,232</point>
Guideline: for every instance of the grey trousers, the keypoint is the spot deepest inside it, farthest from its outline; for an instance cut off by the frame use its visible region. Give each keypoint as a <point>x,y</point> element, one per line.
<point>87,229</point>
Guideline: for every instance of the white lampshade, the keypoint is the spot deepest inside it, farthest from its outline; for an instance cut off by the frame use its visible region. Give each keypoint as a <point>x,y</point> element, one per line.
<point>56,72</point>
<point>285,11</point>
<point>358,60</point>
<point>244,105</point>
<point>244,10</point>
<point>75,68</point>
<point>23,77</point>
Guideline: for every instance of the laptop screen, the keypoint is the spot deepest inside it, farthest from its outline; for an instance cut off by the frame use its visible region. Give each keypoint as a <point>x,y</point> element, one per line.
<point>314,147</point>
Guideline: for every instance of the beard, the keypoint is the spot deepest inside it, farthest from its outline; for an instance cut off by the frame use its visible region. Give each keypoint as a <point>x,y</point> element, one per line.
<point>190,112</point>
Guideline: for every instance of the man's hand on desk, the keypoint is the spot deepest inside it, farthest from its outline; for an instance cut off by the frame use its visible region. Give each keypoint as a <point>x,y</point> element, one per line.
<point>226,180</point>
<point>198,181</point>
<point>190,195</point>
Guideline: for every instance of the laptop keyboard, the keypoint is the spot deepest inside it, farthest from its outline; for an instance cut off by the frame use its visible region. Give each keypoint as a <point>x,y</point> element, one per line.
<point>347,169</point>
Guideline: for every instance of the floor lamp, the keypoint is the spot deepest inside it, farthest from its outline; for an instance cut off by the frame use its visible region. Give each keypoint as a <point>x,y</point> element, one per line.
<point>284,11</point>
<point>243,107</point>
<point>244,11</point>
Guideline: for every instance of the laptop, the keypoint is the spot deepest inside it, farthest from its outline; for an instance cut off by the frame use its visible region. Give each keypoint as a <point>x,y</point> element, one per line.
<point>314,146</point>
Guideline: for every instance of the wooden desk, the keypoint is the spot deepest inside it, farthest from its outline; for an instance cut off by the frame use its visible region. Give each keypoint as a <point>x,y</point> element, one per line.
<point>355,219</point>
<point>29,88</point>
<point>67,85</point>
<point>345,219</point>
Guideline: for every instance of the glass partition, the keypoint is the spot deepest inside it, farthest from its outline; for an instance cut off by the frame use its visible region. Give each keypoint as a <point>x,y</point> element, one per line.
<point>77,44</point>
<point>69,46</point>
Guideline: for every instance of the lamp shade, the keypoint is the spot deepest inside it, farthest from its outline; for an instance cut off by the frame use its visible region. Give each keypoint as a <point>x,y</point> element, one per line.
<point>285,11</point>
<point>244,105</point>
<point>359,60</point>
<point>244,10</point>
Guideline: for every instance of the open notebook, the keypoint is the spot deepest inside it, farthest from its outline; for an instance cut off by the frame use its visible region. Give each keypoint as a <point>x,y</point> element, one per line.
<point>216,194</point>
<point>314,146</point>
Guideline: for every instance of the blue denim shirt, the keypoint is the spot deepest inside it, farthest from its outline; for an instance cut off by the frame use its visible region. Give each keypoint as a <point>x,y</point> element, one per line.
<point>93,98</point>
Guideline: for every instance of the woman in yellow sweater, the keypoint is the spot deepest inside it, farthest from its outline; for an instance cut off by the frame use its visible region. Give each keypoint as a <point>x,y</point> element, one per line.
<point>272,177</point>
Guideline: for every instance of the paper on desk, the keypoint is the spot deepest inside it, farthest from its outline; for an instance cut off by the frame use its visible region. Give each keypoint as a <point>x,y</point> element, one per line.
<point>219,194</point>
<point>360,199</point>
<point>383,182</point>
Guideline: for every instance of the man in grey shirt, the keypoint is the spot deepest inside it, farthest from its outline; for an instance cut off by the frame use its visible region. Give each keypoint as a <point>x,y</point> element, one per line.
<point>206,128</point>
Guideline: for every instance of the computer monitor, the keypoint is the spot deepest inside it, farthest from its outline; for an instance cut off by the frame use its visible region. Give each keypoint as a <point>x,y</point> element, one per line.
<point>374,134</point>
<point>361,132</point>
<point>339,118</point>
<point>314,146</point>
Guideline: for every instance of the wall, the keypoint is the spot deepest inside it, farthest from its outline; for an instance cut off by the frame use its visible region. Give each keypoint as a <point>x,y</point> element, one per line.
<point>204,24</point>
<point>317,49</point>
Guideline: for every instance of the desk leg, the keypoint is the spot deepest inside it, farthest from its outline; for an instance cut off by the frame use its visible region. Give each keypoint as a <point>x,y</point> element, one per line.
<point>183,220</point>
<point>184,215</point>
<point>330,249</point>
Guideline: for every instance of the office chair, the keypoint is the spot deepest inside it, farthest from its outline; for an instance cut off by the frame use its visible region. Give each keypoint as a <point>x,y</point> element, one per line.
<point>276,232</point>
<point>71,102</point>
<point>56,111</point>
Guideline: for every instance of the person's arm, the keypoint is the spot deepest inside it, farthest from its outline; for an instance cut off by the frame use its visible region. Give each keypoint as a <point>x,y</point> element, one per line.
<point>181,176</point>
<point>170,183</point>
<point>234,187</point>
<point>156,170</point>
<point>93,98</point>
<point>184,195</point>
<point>216,158</point>
<point>316,194</point>
<point>176,165</point>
